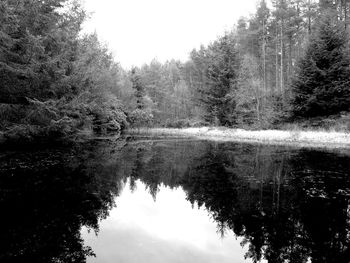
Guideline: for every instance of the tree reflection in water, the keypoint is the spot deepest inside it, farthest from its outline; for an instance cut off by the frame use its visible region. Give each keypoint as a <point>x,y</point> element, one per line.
<point>45,199</point>
<point>288,205</point>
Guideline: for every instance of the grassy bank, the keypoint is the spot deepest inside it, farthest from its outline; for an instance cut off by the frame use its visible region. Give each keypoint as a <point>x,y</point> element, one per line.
<point>278,137</point>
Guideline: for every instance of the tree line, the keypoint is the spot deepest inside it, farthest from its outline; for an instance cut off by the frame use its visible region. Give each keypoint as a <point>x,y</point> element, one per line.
<point>287,62</point>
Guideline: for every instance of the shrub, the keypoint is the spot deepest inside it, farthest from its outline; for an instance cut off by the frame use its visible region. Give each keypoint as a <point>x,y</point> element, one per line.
<point>56,119</point>
<point>178,123</point>
<point>185,123</point>
<point>140,118</point>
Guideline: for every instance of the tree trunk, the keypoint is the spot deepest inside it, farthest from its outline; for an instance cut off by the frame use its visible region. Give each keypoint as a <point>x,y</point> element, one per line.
<point>277,73</point>
<point>309,17</point>
<point>290,57</point>
<point>345,15</point>
<point>264,59</point>
<point>281,50</point>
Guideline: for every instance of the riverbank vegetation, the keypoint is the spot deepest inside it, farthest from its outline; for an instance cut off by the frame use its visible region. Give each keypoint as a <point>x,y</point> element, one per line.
<point>287,65</point>
<point>54,81</point>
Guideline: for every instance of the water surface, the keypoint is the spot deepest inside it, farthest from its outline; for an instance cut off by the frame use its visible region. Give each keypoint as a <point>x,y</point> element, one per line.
<point>174,200</point>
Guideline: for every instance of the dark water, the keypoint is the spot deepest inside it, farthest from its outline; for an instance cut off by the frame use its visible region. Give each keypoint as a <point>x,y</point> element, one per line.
<point>170,200</point>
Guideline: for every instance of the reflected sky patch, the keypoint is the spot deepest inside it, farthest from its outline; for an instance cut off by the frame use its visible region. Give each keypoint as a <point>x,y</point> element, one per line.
<point>167,229</point>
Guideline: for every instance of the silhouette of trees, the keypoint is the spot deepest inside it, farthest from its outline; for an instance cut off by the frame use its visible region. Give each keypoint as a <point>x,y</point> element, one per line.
<point>287,205</point>
<point>47,200</point>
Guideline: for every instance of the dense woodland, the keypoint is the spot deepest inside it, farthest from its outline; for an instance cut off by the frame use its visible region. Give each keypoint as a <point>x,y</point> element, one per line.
<point>55,81</point>
<point>287,63</point>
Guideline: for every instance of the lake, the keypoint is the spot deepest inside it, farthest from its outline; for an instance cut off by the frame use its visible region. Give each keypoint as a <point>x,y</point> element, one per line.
<point>140,199</point>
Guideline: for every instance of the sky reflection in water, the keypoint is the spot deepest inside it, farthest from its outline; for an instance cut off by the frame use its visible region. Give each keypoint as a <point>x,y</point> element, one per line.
<point>281,204</point>
<point>167,229</point>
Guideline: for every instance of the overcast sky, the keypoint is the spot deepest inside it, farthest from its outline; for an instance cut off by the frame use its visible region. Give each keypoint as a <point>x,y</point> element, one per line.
<point>137,31</point>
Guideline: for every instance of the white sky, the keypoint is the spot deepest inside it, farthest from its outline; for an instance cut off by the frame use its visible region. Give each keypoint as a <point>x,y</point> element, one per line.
<point>137,31</point>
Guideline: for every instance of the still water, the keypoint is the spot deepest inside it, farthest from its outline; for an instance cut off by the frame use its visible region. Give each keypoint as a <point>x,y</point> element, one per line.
<point>174,200</point>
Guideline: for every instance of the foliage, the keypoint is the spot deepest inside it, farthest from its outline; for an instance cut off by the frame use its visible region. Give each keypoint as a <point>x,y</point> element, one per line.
<point>52,76</point>
<point>139,89</point>
<point>64,119</point>
<point>140,118</point>
<point>338,122</point>
<point>249,94</point>
<point>250,78</point>
<point>321,86</point>
<point>218,67</point>
<point>182,123</point>
<point>38,45</point>
<point>54,83</point>
<point>169,94</point>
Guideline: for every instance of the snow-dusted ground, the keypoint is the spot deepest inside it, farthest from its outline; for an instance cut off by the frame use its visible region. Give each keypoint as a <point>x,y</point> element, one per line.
<point>296,138</point>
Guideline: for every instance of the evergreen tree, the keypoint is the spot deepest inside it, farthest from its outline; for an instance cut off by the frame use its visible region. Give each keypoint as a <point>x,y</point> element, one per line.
<point>137,85</point>
<point>37,47</point>
<point>220,64</point>
<point>322,85</point>
<point>53,80</point>
<point>249,91</point>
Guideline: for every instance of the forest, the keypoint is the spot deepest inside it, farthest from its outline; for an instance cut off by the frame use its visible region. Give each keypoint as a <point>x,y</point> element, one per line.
<point>286,65</point>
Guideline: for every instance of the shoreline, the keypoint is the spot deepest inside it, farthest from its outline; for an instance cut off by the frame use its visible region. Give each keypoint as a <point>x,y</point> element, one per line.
<point>302,139</point>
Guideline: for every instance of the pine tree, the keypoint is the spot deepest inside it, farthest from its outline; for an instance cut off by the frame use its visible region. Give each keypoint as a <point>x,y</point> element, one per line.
<point>249,91</point>
<point>37,47</point>
<point>322,85</point>
<point>220,63</point>
<point>139,88</point>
